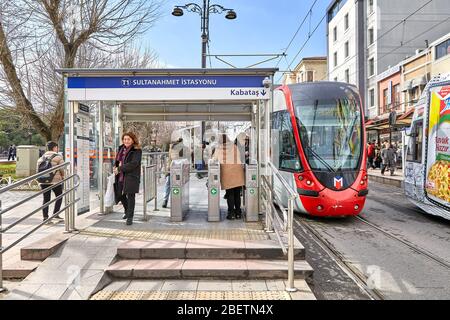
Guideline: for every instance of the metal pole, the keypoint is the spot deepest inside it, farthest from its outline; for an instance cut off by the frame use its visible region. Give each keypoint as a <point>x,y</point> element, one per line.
<point>291,286</point>
<point>156,192</point>
<point>67,201</point>
<point>2,289</point>
<point>100,157</point>
<point>72,162</point>
<point>144,197</point>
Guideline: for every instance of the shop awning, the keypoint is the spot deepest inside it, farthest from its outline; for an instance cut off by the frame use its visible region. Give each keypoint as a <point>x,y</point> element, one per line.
<point>382,122</point>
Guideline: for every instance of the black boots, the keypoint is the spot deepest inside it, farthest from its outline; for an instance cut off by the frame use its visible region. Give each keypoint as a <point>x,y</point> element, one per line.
<point>164,204</point>
<point>230,215</point>
<point>238,214</point>
<point>129,221</point>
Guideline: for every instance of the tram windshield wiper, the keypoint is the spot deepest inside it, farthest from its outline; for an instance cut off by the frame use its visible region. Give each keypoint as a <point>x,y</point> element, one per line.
<point>322,160</point>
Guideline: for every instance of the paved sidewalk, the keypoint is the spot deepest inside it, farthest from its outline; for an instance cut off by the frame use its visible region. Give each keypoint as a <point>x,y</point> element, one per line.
<point>204,290</point>
<point>395,180</point>
<point>77,269</point>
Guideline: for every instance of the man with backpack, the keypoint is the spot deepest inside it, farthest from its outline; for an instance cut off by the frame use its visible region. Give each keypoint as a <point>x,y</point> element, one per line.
<point>51,159</point>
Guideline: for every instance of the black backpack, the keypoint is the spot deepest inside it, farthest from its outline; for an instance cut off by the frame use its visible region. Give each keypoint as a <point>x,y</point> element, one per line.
<point>45,165</point>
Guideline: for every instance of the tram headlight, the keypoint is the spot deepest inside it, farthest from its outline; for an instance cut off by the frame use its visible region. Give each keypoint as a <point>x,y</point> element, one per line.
<point>319,207</point>
<point>308,182</point>
<point>356,207</point>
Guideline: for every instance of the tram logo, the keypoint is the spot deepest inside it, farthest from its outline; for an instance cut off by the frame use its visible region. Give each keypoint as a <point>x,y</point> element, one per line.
<point>338,182</point>
<point>125,82</point>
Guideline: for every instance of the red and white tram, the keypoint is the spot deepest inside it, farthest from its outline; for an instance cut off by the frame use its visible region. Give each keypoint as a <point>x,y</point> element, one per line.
<point>318,145</point>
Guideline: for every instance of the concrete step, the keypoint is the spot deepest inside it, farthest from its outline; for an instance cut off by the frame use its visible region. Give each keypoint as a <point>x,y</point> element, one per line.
<point>223,269</point>
<point>206,249</point>
<point>43,248</point>
<point>18,269</point>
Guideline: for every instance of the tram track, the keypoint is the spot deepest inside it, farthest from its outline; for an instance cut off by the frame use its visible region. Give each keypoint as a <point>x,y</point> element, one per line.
<point>409,244</point>
<point>354,273</point>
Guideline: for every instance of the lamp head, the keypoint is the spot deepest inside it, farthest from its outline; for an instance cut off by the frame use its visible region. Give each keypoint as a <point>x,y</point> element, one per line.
<point>177,12</point>
<point>231,14</point>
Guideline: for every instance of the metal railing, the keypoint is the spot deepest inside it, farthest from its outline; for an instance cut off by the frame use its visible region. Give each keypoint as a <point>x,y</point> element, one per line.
<point>159,159</point>
<point>68,193</point>
<point>150,187</point>
<point>273,221</point>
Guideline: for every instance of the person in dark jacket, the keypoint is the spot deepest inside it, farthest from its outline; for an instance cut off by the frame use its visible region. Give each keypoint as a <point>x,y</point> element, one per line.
<point>127,169</point>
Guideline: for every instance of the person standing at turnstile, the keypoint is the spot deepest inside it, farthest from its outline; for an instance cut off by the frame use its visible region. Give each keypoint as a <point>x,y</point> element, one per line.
<point>176,151</point>
<point>127,169</point>
<point>231,175</point>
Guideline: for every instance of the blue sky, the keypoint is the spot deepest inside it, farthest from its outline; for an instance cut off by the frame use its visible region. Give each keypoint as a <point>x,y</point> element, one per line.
<point>262,26</point>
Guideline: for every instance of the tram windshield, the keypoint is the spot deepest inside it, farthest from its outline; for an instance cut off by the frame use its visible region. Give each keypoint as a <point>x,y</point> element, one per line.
<point>330,130</point>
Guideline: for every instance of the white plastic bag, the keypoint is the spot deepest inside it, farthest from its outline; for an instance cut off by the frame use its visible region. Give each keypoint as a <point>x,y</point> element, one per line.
<point>109,195</point>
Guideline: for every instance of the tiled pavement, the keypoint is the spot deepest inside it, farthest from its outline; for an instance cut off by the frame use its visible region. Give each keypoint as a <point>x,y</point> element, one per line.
<point>76,270</point>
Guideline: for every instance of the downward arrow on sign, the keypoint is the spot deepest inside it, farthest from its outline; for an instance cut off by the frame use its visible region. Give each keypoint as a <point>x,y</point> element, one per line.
<point>263,92</point>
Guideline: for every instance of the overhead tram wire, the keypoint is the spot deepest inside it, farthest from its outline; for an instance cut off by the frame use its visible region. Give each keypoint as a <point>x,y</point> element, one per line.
<point>309,12</point>
<point>396,48</point>
<point>306,42</point>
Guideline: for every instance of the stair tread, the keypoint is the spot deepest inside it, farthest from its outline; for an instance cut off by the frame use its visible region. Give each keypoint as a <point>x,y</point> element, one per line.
<point>206,264</point>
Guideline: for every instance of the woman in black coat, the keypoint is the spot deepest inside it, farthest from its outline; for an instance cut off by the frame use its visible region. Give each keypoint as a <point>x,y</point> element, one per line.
<point>127,169</point>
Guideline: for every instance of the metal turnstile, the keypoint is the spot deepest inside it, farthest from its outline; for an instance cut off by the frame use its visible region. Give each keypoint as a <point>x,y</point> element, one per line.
<point>179,189</point>
<point>251,192</point>
<point>213,190</point>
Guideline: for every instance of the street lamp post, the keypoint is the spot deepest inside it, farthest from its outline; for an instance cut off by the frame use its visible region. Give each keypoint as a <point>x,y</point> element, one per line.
<point>204,12</point>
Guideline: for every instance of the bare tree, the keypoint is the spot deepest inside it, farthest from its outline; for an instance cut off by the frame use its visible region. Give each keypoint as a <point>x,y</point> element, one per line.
<point>53,33</point>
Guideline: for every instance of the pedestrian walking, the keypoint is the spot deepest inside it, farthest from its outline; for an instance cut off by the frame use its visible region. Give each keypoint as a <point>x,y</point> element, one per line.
<point>371,154</point>
<point>177,151</point>
<point>10,152</point>
<point>50,159</point>
<point>127,169</point>
<point>231,175</point>
<point>388,155</point>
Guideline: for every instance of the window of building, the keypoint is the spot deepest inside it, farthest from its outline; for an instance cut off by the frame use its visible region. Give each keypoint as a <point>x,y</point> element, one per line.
<point>346,49</point>
<point>335,9</point>
<point>346,22</point>
<point>335,59</point>
<point>397,95</point>
<point>289,159</point>
<point>414,152</point>
<point>310,76</point>
<point>443,49</point>
<point>370,6</point>
<point>371,67</point>
<point>335,34</point>
<point>384,107</point>
<point>371,36</point>
<point>372,97</point>
<point>347,75</point>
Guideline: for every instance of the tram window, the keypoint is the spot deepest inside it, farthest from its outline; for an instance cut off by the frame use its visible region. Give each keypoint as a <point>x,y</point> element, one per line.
<point>288,154</point>
<point>414,152</point>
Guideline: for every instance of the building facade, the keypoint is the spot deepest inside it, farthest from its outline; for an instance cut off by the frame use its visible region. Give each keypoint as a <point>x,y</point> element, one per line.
<point>366,37</point>
<point>309,69</point>
<point>440,55</point>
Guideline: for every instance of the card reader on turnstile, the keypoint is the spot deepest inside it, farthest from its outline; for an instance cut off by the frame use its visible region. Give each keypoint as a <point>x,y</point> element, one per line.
<point>213,190</point>
<point>251,192</point>
<point>179,189</point>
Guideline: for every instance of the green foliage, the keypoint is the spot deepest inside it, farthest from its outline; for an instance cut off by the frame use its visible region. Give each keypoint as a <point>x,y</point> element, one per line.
<point>14,130</point>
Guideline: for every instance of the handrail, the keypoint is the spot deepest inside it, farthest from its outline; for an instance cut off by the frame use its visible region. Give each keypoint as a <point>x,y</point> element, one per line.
<point>39,208</point>
<point>270,214</point>
<point>286,185</point>
<point>68,193</point>
<point>150,181</point>
<point>33,177</point>
<point>36,194</point>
